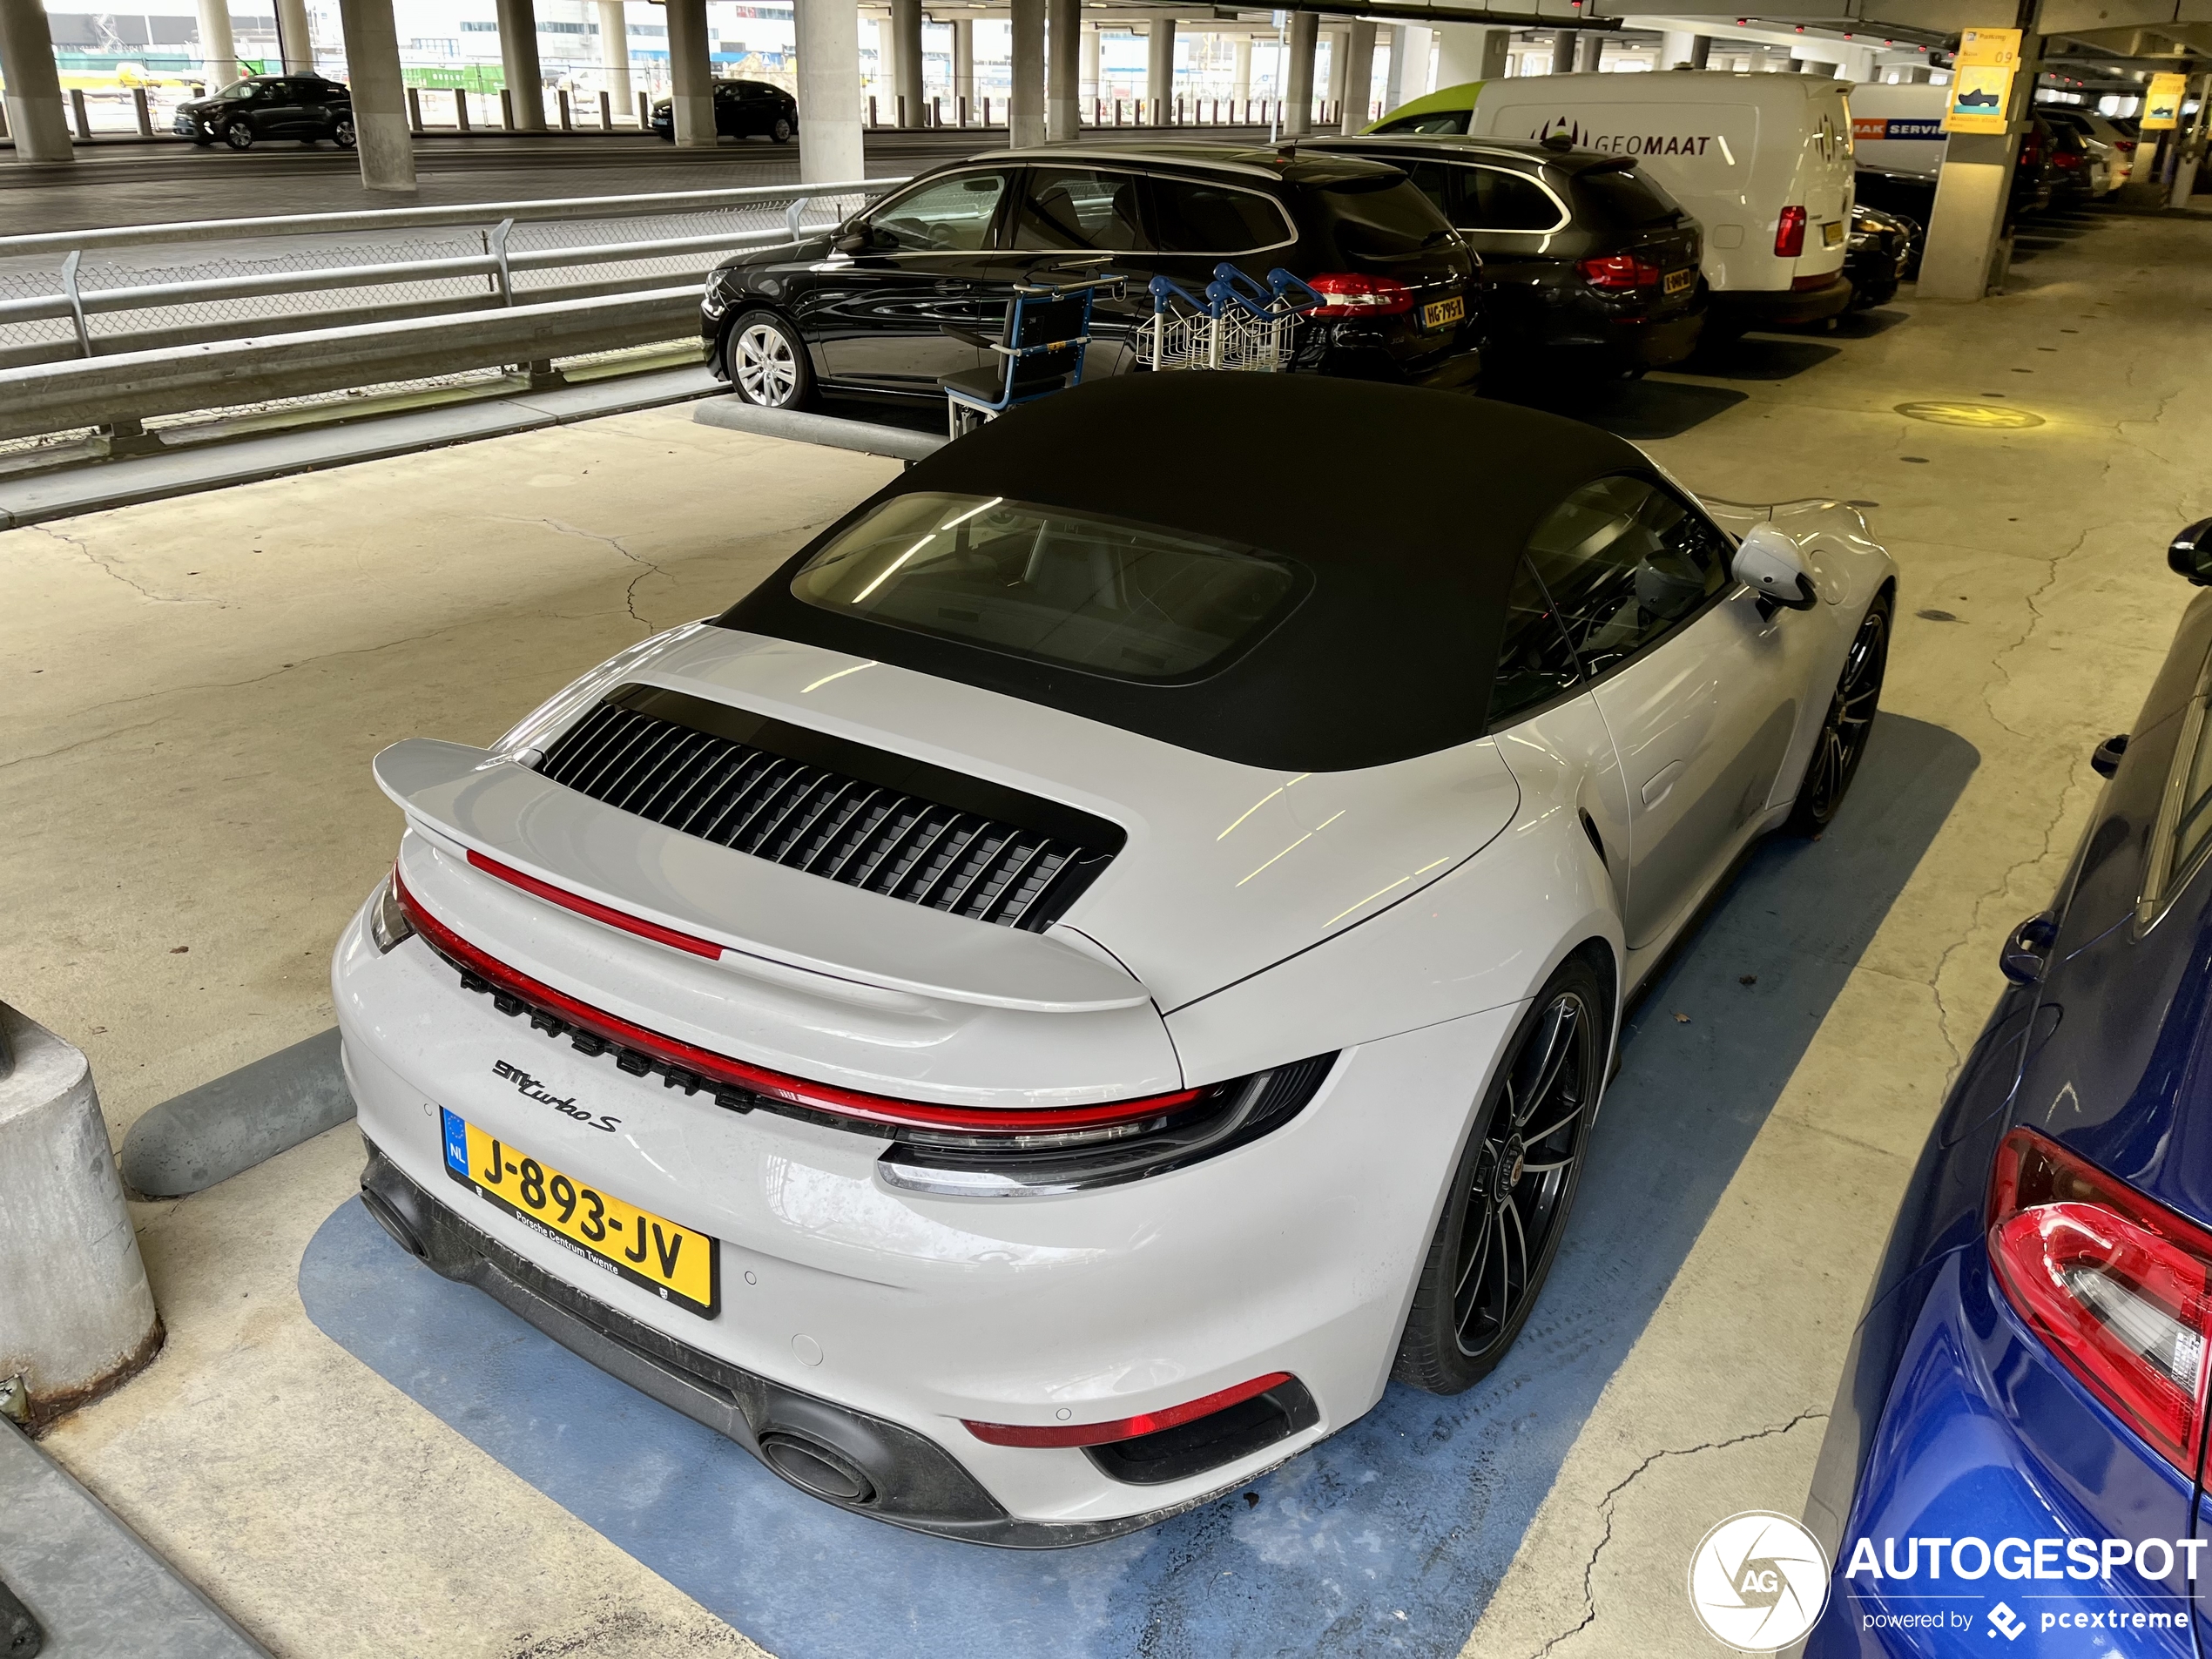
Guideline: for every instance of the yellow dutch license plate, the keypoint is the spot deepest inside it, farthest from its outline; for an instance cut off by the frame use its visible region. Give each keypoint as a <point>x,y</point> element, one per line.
<point>1680,281</point>
<point>1441,312</point>
<point>1832,234</point>
<point>680,1265</point>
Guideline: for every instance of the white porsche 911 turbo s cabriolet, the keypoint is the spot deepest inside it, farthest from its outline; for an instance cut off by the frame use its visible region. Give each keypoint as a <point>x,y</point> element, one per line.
<point>1043,1010</point>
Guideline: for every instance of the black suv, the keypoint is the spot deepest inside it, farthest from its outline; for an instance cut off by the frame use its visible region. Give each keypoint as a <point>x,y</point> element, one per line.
<point>1587,263</point>
<point>306,107</point>
<point>866,309</point>
<point>741,108</point>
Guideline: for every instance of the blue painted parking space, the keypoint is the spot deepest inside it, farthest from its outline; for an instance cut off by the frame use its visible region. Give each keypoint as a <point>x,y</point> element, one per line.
<point>1389,1538</point>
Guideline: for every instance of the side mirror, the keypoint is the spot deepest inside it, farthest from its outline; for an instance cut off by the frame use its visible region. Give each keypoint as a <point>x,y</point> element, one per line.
<point>855,241</point>
<point>2190,553</point>
<point>1769,561</point>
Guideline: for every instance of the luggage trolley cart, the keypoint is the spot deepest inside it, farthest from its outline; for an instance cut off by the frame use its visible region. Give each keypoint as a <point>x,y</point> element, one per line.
<point>1040,350</point>
<point>1241,323</point>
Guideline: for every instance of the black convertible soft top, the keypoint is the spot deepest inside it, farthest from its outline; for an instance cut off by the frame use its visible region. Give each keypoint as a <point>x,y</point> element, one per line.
<point>1408,510</point>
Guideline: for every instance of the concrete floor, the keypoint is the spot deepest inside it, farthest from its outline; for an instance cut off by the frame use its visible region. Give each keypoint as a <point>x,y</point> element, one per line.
<point>188,806</point>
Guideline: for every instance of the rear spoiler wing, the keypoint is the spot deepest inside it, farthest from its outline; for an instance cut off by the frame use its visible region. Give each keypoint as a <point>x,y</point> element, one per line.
<point>765,917</point>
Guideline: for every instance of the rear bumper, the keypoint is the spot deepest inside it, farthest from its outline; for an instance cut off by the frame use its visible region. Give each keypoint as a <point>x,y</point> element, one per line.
<point>912,1482</point>
<point>1985,1435</point>
<point>1295,1253</point>
<point>1781,307</point>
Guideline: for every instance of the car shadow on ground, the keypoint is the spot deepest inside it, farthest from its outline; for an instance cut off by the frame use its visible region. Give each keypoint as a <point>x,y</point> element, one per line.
<point>1637,410</point>
<point>1756,357</point>
<point>1388,1538</point>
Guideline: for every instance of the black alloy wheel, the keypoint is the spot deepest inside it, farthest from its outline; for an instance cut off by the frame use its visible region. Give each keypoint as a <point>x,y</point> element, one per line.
<point>239,136</point>
<point>767,363</point>
<point>341,133</point>
<point>780,130</point>
<point>1511,1192</point>
<point>1842,743</point>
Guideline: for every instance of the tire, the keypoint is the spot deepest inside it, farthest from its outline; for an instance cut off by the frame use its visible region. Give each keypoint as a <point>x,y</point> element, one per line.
<point>239,136</point>
<point>341,133</point>
<point>766,361</point>
<point>1842,743</point>
<point>1470,1301</point>
<point>780,130</point>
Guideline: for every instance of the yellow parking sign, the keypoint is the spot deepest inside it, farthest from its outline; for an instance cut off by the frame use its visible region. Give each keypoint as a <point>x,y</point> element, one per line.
<point>1981,80</point>
<point>2162,103</point>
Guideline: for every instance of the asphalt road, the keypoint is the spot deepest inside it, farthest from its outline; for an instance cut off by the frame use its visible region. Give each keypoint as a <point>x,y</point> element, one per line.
<point>134,183</point>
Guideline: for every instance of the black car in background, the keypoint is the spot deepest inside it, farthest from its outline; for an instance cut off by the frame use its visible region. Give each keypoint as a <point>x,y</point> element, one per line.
<point>306,107</point>
<point>742,110</point>
<point>866,309</point>
<point>1586,261</point>
<point>1883,250</point>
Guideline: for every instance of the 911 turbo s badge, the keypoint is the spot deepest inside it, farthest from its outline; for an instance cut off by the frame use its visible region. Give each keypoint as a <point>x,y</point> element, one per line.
<point>531,1088</point>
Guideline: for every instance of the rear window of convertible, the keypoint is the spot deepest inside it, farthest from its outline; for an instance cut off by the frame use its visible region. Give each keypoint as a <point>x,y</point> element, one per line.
<point>1090,593</point>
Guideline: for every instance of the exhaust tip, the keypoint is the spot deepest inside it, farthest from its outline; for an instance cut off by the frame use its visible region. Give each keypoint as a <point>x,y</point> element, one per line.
<point>394,1222</point>
<point>812,1466</point>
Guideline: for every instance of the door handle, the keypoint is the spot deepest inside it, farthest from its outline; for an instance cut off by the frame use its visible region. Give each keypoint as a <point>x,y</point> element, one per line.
<point>954,285</point>
<point>1655,790</point>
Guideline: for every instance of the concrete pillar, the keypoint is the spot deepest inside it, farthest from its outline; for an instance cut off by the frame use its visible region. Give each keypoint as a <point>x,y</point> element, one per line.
<point>218,52</point>
<point>614,54</point>
<point>1562,51</point>
<point>1919,74</point>
<point>518,56</point>
<point>1159,69</point>
<point>1967,221</point>
<point>1298,74</point>
<point>691,74</point>
<point>1466,52</point>
<point>1676,48</point>
<point>1409,50</point>
<point>906,62</point>
<point>1589,52</point>
<point>295,42</point>
<point>1358,76</point>
<point>1063,68</point>
<point>382,140</point>
<point>1025,102</point>
<point>964,63</point>
<point>77,1315</point>
<point>2191,140</point>
<point>828,42</point>
<point>37,115</point>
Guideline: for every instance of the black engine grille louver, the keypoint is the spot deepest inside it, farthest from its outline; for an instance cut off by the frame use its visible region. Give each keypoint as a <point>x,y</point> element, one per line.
<point>867,818</point>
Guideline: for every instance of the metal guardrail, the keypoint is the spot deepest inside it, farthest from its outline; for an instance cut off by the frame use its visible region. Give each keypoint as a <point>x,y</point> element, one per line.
<point>293,322</point>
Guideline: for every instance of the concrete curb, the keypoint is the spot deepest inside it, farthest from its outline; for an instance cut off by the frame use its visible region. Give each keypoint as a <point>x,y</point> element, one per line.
<point>222,1128</point>
<point>91,1582</point>
<point>121,484</point>
<point>897,444</point>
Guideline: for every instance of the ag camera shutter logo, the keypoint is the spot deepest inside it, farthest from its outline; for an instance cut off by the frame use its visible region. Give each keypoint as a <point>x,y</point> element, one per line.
<point>1758,1581</point>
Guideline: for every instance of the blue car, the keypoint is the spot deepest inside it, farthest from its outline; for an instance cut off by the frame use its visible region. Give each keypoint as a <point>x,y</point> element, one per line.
<point>2015,1462</point>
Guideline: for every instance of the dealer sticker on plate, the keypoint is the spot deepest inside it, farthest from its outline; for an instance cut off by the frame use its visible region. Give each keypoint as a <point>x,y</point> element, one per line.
<point>1441,312</point>
<point>679,1265</point>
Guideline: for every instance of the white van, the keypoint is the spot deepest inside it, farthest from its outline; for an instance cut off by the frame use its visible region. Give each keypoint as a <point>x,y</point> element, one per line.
<point>1764,162</point>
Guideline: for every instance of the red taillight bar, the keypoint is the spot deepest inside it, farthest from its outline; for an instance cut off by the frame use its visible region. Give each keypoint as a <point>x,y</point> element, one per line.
<point>596,911</point>
<point>759,1080</point>
<point>1124,1429</point>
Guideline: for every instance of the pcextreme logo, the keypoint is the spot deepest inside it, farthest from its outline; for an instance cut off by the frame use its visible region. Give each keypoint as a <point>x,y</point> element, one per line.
<point>1758,1581</point>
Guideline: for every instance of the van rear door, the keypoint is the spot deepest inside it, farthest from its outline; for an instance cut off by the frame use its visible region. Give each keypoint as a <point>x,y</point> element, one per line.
<point>1705,152</point>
